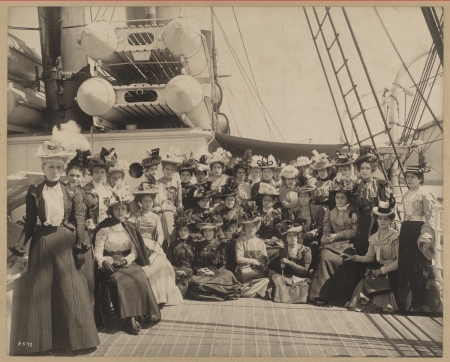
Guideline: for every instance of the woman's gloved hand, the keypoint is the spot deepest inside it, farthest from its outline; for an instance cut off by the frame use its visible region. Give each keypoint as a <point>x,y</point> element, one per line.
<point>108,267</point>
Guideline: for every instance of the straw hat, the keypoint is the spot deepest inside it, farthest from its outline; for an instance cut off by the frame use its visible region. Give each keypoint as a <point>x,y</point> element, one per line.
<point>244,162</point>
<point>289,171</point>
<point>302,161</point>
<point>267,162</point>
<point>267,189</point>
<point>120,195</point>
<point>146,188</point>
<point>219,156</point>
<point>172,156</point>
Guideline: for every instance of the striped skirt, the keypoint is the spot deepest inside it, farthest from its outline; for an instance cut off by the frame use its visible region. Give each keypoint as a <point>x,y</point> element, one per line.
<point>56,314</point>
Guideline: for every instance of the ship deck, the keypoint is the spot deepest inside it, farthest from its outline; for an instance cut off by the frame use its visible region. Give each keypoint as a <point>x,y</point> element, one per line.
<point>261,328</point>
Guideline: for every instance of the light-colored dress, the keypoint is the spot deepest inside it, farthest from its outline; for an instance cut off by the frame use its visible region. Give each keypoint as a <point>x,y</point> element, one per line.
<point>289,200</point>
<point>244,192</point>
<point>169,190</point>
<point>160,272</point>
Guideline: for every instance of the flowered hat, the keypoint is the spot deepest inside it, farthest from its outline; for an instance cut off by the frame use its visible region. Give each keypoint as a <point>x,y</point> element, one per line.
<point>203,190</point>
<point>188,164</point>
<point>302,161</point>
<point>106,158</point>
<point>120,195</point>
<point>367,154</point>
<point>385,208</point>
<point>146,188</point>
<point>288,226</point>
<point>202,165</point>
<point>136,169</point>
<point>245,162</point>
<point>423,166</point>
<point>267,162</point>
<point>119,165</point>
<point>219,156</point>
<point>320,161</point>
<point>230,188</point>
<point>206,220</point>
<point>250,213</point>
<point>289,171</point>
<point>268,189</point>
<point>172,156</point>
<point>280,164</point>
<point>343,159</point>
<point>81,160</point>
<point>256,160</point>
<point>342,184</point>
<point>183,218</point>
<point>302,188</point>
<point>65,141</point>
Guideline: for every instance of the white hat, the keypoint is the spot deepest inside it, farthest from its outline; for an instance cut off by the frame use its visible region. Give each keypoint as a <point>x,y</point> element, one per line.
<point>302,161</point>
<point>268,189</point>
<point>289,171</point>
<point>172,156</point>
<point>120,165</point>
<point>220,155</point>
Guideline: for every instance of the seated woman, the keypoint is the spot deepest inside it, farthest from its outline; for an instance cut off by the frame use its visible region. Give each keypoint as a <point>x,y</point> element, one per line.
<point>230,214</point>
<point>251,255</point>
<point>383,246</point>
<point>288,194</point>
<point>314,216</point>
<point>293,284</point>
<point>322,168</point>
<point>182,251</point>
<point>160,272</point>
<point>334,281</point>
<point>270,217</point>
<point>211,280</point>
<point>121,255</point>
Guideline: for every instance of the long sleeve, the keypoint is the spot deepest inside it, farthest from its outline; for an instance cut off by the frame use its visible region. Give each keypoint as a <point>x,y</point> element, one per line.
<point>240,254</point>
<point>255,189</point>
<point>316,233</point>
<point>427,231</point>
<point>394,265</point>
<point>80,218</point>
<point>369,257</point>
<point>350,233</point>
<point>179,198</point>
<point>223,256</point>
<point>100,240</point>
<point>159,234</point>
<point>132,256</point>
<point>326,227</point>
<point>301,266</point>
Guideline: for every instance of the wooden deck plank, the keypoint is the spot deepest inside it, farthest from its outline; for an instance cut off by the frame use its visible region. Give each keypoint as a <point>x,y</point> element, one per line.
<point>223,334</point>
<point>197,332</point>
<point>430,327</point>
<point>332,332</point>
<point>192,321</point>
<point>150,333</point>
<point>325,343</point>
<point>304,324</point>
<point>262,328</point>
<point>276,350</point>
<point>238,330</point>
<point>205,344</point>
<point>112,334</point>
<point>347,331</point>
<point>394,336</point>
<point>287,341</point>
<point>249,337</point>
<point>180,344</point>
<point>297,333</point>
<point>174,333</point>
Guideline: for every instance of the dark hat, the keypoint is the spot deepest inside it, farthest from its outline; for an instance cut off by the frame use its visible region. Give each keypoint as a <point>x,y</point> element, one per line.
<point>250,213</point>
<point>206,220</point>
<point>106,158</point>
<point>342,184</point>
<point>343,159</point>
<point>203,190</point>
<point>188,164</point>
<point>136,169</point>
<point>288,226</point>
<point>244,162</point>
<point>80,160</point>
<point>367,154</point>
<point>385,208</point>
<point>230,188</point>
<point>146,188</point>
<point>183,218</point>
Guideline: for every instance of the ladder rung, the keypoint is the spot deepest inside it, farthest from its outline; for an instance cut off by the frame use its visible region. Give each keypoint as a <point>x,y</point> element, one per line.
<point>334,41</point>
<point>357,115</point>
<point>342,66</point>
<point>320,25</point>
<point>351,90</point>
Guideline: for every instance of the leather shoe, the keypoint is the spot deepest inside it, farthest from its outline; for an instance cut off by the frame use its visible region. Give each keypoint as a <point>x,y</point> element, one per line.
<point>131,326</point>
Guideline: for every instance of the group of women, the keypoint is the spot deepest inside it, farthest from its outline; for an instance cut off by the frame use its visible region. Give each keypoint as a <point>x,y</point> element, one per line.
<point>334,230</point>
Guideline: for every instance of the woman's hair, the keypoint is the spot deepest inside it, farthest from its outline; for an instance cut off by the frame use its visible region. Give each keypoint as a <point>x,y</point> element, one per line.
<point>329,172</point>
<point>191,228</point>
<point>139,197</point>
<point>203,230</point>
<point>111,208</point>
<point>373,165</point>
<point>217,163</point>
<point>92,168</point>
<point>283,179</point>
<point>108,176</point>
<point>76,167</point>
<point>164,164</point>
<point>391,217</point>
<point>419,175</point>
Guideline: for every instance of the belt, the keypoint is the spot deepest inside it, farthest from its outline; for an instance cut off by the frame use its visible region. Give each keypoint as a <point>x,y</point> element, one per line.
<point>112,253</point>
<point>414,218</point>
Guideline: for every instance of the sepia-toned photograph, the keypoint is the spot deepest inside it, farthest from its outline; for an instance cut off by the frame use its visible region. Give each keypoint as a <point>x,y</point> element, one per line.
<point>225,181</point>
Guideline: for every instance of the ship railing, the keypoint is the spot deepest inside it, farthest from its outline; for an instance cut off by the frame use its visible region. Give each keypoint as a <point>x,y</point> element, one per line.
<point>439,245</point>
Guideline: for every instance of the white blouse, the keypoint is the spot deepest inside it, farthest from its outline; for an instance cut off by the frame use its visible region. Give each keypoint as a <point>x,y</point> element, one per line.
<point>102,193</point>
<point>111,239</point>
<point>54,205</point>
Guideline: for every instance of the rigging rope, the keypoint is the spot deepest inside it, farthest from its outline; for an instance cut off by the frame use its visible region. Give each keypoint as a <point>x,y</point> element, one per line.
<point>232,113</point>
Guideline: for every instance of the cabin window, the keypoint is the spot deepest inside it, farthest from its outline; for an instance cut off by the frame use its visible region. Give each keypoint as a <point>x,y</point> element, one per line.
<point>140,38</point>
<point>141,96</point>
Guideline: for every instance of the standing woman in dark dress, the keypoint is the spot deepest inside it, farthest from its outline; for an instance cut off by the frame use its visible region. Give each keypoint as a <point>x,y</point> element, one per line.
<point>56,313</point>
<point>186,171</point>
<point>418,291</point>
<point>369,192</point>
<point>267,166</point>
<point>240,167</point>
<point>121,254</point>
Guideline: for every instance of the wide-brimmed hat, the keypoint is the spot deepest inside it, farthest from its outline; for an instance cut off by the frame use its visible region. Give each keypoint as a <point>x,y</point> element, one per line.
<point>320,161</point>
<point>106,158</point>
<point>201,164</point>
<point>119,165</point>
<point>250,213</point>
<point>244,162</point>
<point>280,164</point>
<point>183,218</point>
<point>81,160</point>
<point>289,171</point>
<point>385,208</point>
<point>219,156</point>
<point>136,169</point>
<point>146,188</point>
<point>302,161</point>
<point>120,195</point>
<point>288,226</point>
<point>267,189</point>
<point>367,154</point>
<point>188,165</point>
<point>203,190</point>
<point>342,184</point>
<point>206,220</point>
<point>343,159</point>
<point>267,162</point>
<point>303,189</point>
<point>256,160</point>
<point>230,188</point>
<point>65,142</point>
<point>422,166</point>
<point>172,156</point>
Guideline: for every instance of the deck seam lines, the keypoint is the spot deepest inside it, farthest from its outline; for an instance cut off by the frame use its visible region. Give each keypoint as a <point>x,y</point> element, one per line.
<point>181,328</point>
<point>168,332</point>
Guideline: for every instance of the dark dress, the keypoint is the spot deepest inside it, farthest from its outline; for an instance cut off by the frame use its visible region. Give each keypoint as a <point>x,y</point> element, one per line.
<point>230,228</point>
<point>223,285</point>
<point>181,255</point>
<point>188,200</point>
<point>130,290</point>
<point>292,290</point>
<point>418,290</point>
<point>321,194</point>
<point>55,315</point>
<point>256,196</point>
<point>269,222</point>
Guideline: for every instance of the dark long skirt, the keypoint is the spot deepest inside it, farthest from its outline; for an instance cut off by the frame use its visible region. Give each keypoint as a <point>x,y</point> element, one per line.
<point>88,269</point>
<point>334,280</point>
<point>131,293</point>
<point>222,286</point>
<point>284,291</point>
<point>417,290</point>
<point>56,313</point>
<point>367,226</point>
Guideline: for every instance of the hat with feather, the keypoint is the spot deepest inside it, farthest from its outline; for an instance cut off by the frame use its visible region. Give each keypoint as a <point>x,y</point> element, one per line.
<point>267,162</point>
<point>288,226</point>
<point>172,156</point>
<point>422,166</point>
<point>385,208</point>
<point>203,190</point>
<point>202,166</point>
<point>367,154</point>
<point>244,162</point>
<point>320,161</point>
<point>230,188</point>
<point>267,189</point>
<point>120,195</point>
<point>183,218</point>
<point>136,169</point>
<point>343,184</point>
<point>344,158</point>
<point>219,156</point>
<point>106,159</point>
<point>206,220</point>
<point>250,213</point>
<point>81,160</point>
<point>188,164</point>
<point>147,188</point>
